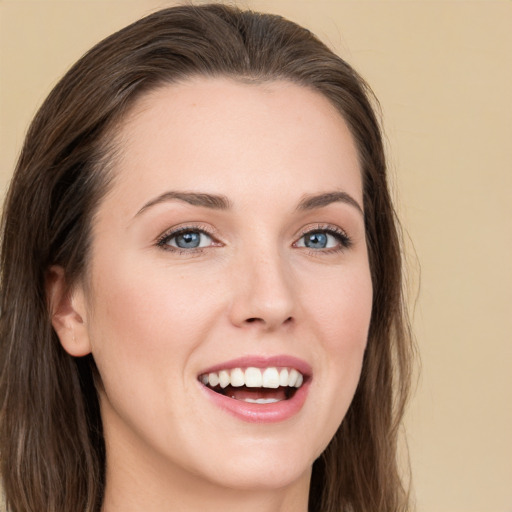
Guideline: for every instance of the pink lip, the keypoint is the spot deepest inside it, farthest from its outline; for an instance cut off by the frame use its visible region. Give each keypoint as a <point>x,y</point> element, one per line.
<point>261,413</point>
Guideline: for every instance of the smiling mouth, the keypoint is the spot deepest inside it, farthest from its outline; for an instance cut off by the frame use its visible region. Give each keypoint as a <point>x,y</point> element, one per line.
<point>255,385</point>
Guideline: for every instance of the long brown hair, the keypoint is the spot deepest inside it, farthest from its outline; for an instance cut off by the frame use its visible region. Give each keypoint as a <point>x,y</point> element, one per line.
<point>51,442</point>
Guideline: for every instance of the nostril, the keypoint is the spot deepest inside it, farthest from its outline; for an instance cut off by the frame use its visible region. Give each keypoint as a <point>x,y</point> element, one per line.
<point>256,319</point>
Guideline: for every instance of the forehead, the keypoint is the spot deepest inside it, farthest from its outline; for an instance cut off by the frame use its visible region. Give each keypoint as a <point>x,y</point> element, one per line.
<point>218,134</point>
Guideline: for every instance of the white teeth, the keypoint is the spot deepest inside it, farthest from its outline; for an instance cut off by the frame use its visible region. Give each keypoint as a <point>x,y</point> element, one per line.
<point>224,378</point>
<point>283,377</point>
<point>237,377</point>
<point>213,379</point>
<point>270,378</point>
<point>261,400</point>
<point>292,378</point>
<point>252,377</point>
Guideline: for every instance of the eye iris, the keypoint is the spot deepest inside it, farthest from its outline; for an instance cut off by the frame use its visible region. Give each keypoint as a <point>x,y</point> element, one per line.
<point>189,240</point>
<point>316,240</point>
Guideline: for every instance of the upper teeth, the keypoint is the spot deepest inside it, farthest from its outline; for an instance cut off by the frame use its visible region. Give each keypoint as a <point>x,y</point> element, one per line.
<point>254,378</point>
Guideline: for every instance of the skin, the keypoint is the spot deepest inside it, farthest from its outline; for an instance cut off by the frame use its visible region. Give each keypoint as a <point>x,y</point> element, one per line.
<point>155,318</point>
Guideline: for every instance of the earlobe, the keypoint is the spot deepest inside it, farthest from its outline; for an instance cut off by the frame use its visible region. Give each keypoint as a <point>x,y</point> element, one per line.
<point>68,314</point>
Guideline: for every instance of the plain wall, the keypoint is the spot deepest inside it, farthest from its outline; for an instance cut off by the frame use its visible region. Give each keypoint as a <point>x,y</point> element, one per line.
<point>443,74</point>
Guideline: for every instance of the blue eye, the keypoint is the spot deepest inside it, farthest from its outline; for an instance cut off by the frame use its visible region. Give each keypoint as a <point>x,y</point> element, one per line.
<point>187,239</point>
<point>316,240</point>
<point>323,239</point>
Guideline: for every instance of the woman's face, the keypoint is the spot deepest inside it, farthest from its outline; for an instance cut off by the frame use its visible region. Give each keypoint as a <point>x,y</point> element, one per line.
<point>229,255</point>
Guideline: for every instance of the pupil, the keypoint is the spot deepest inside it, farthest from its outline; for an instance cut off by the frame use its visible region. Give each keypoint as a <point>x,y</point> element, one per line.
<point>316,240</point>
<point>188,240</point>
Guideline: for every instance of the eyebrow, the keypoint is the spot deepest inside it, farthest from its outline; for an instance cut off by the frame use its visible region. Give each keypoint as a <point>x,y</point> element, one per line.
<point>220,202</point>
<point>311,202</point>
<point>216,202</point>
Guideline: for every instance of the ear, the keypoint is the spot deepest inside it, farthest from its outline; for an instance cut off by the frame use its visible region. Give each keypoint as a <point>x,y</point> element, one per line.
<point>68,313</point>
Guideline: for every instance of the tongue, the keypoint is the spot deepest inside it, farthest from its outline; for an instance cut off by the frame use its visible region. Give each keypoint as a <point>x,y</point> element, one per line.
<point>255,393</point>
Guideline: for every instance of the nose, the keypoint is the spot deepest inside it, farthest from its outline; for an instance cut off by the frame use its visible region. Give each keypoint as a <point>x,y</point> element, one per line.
<point>263,293</point>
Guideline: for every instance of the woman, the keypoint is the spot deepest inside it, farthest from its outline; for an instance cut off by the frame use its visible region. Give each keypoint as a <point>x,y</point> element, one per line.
<point>201,280</point>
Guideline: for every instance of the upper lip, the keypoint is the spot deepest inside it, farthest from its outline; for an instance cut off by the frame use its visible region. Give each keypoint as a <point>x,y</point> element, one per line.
<point>258,361</point>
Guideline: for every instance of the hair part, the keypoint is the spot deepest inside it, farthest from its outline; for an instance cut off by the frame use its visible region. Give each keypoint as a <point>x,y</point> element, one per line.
<point>51,441</point>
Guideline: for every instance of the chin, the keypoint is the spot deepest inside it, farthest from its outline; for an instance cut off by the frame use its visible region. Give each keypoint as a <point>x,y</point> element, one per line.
<point>268,477</point>
<point>265,465</point>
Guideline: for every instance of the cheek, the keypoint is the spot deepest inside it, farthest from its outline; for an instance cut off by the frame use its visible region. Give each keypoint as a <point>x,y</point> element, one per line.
<point>144,327</point>
<point>342,310</point>
<point>342,316</point>
<point>149,307</point>
<point>144,332</point>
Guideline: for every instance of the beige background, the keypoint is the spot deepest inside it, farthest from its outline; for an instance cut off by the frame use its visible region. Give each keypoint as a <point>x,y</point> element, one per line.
<point>443,73</point>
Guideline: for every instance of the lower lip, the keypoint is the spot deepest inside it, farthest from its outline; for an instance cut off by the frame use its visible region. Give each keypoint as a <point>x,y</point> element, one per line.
<point>260,413</point>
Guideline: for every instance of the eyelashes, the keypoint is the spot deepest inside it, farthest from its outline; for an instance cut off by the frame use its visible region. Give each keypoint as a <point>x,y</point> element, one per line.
<point>193,239</point>
<point>325,239</point>
<point>187,239</point>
